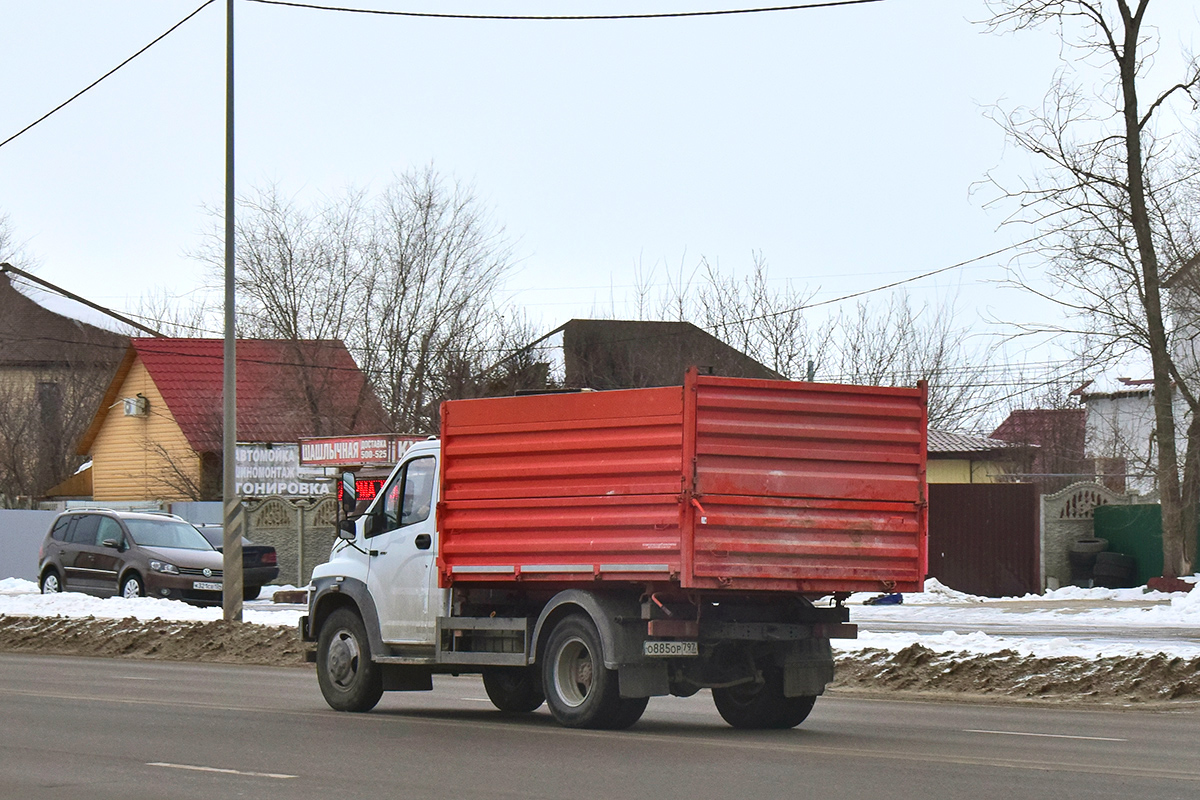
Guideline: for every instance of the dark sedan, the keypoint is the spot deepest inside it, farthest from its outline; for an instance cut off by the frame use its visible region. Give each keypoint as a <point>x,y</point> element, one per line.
<point>260,564</point>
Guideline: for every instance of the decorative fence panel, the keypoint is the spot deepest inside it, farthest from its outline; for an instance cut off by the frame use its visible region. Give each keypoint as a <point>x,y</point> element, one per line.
<point>302,532</point>
<point>1066,517</point>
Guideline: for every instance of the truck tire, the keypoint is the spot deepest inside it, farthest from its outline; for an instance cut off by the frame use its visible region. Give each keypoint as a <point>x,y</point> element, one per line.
<point>349,679</point>
<point>580,692</point>
<point>762,705</point>
<point>514,689</point>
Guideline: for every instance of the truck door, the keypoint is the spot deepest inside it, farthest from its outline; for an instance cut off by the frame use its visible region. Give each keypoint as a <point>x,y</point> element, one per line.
<point>403,546</point>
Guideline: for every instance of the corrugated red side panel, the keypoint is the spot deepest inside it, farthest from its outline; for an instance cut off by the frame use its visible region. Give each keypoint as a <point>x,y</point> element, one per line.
<point>795,487</point>
<point>809,487</point>
<point>589,482</point>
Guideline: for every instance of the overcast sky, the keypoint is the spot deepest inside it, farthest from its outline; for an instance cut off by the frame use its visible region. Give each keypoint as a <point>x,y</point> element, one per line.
<point>842,142</point>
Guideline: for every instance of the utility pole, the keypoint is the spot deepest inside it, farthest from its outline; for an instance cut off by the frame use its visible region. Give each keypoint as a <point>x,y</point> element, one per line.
<point>232,580</point>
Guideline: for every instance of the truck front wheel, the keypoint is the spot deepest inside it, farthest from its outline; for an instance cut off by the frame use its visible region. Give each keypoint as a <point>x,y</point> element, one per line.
<point>580,692</point>
<point>348,677</point>
<point>516,689</point>
<point>762,705</point>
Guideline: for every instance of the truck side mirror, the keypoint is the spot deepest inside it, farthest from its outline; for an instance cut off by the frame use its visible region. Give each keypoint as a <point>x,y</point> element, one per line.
<point>349,493</point>
<point>346,529</point>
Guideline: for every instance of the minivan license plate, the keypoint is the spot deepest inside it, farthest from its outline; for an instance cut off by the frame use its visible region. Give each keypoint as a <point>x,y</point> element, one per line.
<point>670,649</point>
<point>205,586</point>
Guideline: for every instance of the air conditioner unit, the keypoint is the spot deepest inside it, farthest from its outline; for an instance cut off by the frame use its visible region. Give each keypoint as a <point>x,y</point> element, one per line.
<point>137,406</point>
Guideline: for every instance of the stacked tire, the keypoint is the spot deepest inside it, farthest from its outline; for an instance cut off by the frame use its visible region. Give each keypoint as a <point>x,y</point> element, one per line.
<point>1114,570</point>
<point>1082,558</point>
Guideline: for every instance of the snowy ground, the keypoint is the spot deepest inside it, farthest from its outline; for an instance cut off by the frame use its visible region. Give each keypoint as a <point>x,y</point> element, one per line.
<point>21,598</point>
<point>1070,622</point>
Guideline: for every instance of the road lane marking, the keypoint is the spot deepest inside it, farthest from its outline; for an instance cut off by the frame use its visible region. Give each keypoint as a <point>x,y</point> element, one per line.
<point>1047,735</point>
<point>195,768</point>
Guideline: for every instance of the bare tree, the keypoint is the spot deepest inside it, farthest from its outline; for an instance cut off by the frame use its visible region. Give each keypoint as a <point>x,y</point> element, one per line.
<point>41,421</point>
<point>1112,205</point>
<point>772,325</point>
<point>407,279</point>
<point>769,324</point>
<point>435,261</point>
<point>193,314</point>
<point>12,250</point>
<point>899,344</point>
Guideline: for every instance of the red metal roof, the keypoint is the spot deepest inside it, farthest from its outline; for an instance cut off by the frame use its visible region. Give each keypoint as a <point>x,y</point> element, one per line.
<point>285,389</point>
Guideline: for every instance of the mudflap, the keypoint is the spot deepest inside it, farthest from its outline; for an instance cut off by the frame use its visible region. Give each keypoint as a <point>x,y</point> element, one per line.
<point>807,668</point>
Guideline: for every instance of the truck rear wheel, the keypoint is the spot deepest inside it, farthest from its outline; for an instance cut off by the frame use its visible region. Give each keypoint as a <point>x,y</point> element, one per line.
<point>348,677</point>
<point>762,705</point>
<point>580,692</point>
<point>516,689</point>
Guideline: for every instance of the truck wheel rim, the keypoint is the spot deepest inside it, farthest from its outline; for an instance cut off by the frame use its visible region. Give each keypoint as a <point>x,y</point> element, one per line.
<point>573,673</point>
<point>343,659</point>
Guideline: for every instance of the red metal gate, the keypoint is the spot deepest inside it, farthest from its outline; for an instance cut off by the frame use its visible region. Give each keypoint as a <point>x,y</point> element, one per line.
<point>983,537</point>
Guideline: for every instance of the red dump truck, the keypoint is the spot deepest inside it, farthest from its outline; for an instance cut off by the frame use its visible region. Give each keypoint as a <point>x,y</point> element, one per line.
<point>591,550</point>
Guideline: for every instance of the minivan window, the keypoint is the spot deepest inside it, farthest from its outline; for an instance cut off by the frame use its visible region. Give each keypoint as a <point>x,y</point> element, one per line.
<point>166,533</point>
<point>110,529</point>
<point>59,531</point>
<point>84,531</point>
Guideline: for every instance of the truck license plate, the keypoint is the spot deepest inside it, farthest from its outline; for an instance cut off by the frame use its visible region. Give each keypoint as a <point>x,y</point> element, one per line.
<point>205,586</point>
<point>670,649</point>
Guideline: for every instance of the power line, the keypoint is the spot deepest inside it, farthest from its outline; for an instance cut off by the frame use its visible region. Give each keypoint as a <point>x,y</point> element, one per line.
<point>96,82</point>
<point>892,285</point>
<point>564,17</point>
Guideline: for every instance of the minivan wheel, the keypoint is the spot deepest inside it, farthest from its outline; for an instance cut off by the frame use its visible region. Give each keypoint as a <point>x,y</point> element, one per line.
<point>132,587</point>
<point>349,679</point>
<point>51,583</point>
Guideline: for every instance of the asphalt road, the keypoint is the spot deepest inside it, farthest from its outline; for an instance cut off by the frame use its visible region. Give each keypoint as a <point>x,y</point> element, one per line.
<point>110,728</point>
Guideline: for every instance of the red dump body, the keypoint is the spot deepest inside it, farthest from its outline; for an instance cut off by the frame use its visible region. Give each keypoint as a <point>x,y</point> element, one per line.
<point>723,483</point>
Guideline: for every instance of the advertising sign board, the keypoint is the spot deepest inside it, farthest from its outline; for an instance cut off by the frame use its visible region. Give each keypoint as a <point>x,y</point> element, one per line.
<point>355,451</point>
<point>274,469</point>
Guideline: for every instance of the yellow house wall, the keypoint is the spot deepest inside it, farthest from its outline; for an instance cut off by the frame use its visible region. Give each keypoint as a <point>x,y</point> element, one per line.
<point>963,470</point>
<point>126,464</point>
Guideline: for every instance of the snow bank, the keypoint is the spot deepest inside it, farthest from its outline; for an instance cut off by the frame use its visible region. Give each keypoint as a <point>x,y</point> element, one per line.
<point>937,593</point>
<point>951,642</point>
<point>21,598</point>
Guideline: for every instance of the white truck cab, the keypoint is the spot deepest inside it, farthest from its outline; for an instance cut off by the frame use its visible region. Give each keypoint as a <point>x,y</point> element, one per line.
<point>393,552</point>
